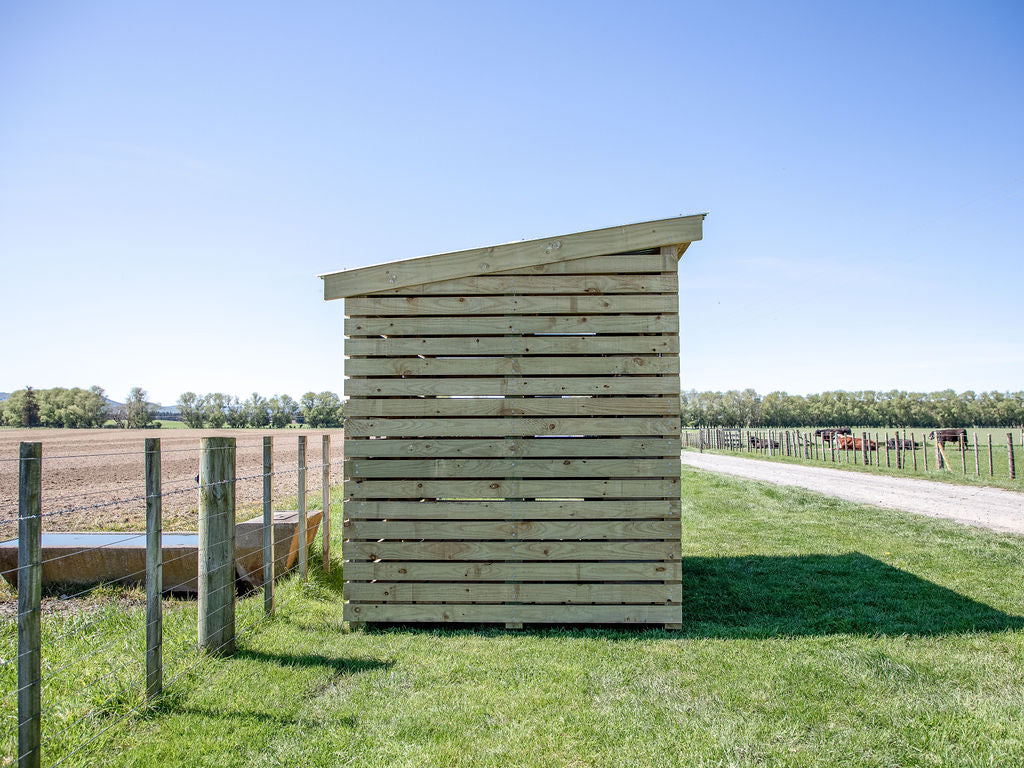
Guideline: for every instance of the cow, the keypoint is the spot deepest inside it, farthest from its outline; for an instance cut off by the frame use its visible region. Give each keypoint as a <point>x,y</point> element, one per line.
<point>949,435</point>
<point>906,445</point>
<point>757,443</point>
<point>828,432</point>
<point>848,443</point>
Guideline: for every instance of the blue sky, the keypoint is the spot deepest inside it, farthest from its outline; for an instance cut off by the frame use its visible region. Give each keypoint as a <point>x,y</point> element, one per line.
<point>173,176</point>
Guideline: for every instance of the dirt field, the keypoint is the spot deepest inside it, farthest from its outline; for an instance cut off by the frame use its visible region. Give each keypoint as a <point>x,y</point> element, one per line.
<point>986,507</point>
<point>107,467</point>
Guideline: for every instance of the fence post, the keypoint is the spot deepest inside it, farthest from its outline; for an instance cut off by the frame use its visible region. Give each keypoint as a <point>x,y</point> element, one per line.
<point>154,571</point>
<point>939,463</point>
<point>963,454</point>
<point>217,545</point>
<point>977,458</point>
<point>325,520</point>
<point>864,447</point>
<point>268,525</point>
<point>888,463</point>
<point>1009,455</point>
<point>913,447</point>
<point>301,532</point>
<point>30,534</point>
<point>991,465</point>
<point>700,448</point>
<point>924,449</point>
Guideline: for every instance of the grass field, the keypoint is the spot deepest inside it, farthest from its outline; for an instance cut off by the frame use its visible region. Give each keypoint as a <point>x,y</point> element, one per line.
<point>816,632</point>
<point>955,473</point>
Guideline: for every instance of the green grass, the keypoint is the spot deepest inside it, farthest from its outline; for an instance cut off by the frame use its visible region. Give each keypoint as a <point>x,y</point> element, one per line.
<point>955,474</point>
<point>816,632</point>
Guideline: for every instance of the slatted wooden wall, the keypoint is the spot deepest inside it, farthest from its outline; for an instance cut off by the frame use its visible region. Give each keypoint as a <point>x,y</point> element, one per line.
<point>512,447</point>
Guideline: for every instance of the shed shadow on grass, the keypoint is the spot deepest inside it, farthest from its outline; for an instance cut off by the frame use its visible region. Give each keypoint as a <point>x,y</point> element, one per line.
<point>762,596</point>
<point>771,596</point>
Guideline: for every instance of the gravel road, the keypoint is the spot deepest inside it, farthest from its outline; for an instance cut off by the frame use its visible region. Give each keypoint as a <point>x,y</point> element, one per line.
<point>985,507</point>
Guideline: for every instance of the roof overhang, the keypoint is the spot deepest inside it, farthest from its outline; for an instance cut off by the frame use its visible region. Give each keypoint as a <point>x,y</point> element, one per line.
<point>525,253</point>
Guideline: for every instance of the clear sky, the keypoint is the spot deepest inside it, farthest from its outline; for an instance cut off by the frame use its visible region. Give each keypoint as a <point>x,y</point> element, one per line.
<point>173,176</point>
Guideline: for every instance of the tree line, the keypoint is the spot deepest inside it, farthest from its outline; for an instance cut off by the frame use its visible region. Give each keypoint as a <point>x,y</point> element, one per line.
<point>78,408</point>
<point>216,410</point>
<point>866,408</point>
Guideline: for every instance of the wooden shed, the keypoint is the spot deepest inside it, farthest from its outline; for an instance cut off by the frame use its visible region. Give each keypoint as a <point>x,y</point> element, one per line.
<point>512,431</point>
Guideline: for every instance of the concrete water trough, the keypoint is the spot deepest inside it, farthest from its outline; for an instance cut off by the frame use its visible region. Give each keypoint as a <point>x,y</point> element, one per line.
<point>86,558</point>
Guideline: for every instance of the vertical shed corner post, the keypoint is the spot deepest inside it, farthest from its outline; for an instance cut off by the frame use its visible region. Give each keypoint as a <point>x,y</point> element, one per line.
<point>300,533</point>
<point>216,601</point>
<point>154,570</point>
<point>268,525</point>
<point>325,493</point>
<point>30,528</point>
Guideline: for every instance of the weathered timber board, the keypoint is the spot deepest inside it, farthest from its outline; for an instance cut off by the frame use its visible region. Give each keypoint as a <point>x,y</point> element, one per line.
<point>506,324</point>
<point>512,489</point>
<point>490,346</point>
<point>533,614</point>
<point>513,406</point>
<point>526,447</point>
<point>513,366</point>
<point>519,550</point>
<point>484,427</point>
<point>511,387</point>
<point>501,468</point>
<point>612,263</point>
<point>595,594</point>
<point>524,285</point>
<point>518,572</point>
<point>519,530</point>
<point>656,303</point>
<point>518,510</point>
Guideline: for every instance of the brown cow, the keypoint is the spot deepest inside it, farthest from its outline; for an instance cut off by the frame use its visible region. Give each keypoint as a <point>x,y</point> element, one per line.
<point>848,443</point>
<point>949,435</point>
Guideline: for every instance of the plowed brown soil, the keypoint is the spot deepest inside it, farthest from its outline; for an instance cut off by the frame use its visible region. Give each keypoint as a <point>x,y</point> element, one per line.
<point>93,479</point>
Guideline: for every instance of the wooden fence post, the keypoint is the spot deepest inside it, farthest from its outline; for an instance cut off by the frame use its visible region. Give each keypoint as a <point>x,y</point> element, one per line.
<point>924,449</point>
<point>1009,455</point>
<point>888,463</point>
<point>154,571</point>
<point>939,463</point>
<point>899,451</point>
<point>30,568</point>
<point>963,454</point>
<point>991,464</point>
<point>268,525</point>
<point>217,545</point>
<point>301,533</point>
<point>977,458</point>
<point>913,447</point>
<point>865,448</point>
<point>325,520</point>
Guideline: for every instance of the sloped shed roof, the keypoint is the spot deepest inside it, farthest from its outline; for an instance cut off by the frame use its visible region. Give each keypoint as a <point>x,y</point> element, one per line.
<point>680,230</point>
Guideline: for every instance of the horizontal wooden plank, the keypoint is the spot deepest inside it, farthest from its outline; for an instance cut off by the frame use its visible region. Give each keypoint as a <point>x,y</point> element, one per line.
<point>664,487</point>
<point>524,285</point>
<point>525,614</point>
<point>609,509</point>
<point>527,447</point>
<point>515,550</point>
<point>611,263</point>
<point>392,592</point>
<point>520,530</point>
<point>653,303</point>
<point>505,324</point>
<point>512,406</point>
<point>490,346</point>
<point>596,426</point>
<point>503,468</point>
<point>524,253</point>
<point>669,571</point>
<point>513,386</point>
<point>513,366</point>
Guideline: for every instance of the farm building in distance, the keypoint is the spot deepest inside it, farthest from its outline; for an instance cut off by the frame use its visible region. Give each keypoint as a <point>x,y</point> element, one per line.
<point>512,431</point>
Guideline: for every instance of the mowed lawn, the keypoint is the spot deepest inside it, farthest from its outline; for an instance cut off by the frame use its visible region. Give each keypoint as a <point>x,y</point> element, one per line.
<point>816,632</point>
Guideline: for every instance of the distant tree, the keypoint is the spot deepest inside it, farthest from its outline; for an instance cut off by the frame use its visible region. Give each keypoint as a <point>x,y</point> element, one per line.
<point>321,409</point>
<point>190,405</point>
<point>257,411</point>
<point>236,414</point>
<point>283,410</point>
<point>215,408</point>
<point>138,412</point>
<point>30,409</point>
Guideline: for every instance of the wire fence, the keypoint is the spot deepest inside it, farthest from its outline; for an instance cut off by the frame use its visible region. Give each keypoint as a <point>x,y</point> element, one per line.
<point>959,451</point>
<point>103,623</point>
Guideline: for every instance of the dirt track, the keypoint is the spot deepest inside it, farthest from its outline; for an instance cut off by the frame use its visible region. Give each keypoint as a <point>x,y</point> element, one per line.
<point>985,507</point>
<point>106,466</point>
